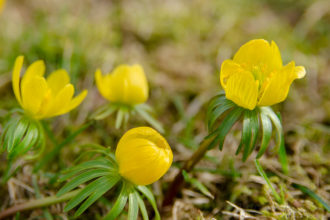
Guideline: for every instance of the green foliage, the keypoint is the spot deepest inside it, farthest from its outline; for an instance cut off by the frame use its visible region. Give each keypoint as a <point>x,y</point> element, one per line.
<point>312,194</point>
<point>259,120</point>
<point>22,134</point>
<point>124,112</point>
<point>197,184</point>
<point>101,175</point>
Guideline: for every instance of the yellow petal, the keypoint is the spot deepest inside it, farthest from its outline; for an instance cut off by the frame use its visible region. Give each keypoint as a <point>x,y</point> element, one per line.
<point>143,155</point>
<point>33,92</point>
<point>59,104</point>
<point>277,87</point>
<point>242,89</point>
<point>16,77</point>
<point>75,101</point>
<point>128,84</point>
<point>228,68</point>
<point>57,80</point>
<point>259,53</point>
<point>102,84</point>
<point>37,68</point>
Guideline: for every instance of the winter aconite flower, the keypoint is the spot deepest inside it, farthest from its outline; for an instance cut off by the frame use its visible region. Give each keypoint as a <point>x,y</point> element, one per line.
<point>127,90</point>
<point>256,75</point>
<point>126,84</point>
<point>143,155</point>
<point>44,97</point>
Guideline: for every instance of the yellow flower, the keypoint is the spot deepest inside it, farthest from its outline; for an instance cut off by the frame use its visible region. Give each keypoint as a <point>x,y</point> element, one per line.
<point>44,98</point>
<point>143,155</point>
<point>126,84</point>
<point>256,75</point>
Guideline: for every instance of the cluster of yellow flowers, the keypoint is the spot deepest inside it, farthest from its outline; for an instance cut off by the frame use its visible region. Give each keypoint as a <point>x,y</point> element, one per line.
<point>255,77</point>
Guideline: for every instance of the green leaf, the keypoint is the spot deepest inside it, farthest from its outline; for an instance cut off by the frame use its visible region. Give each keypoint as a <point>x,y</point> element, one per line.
<point>266,133</point>
<point>252,128</point>
<point>282,153</point>
<point>197,184</point>
<point>215,102</point>
<point>82,178</point>
<point>104,112</point>
<point>19,132</point>
<point>220,110</point>
<point>276,121</point>
<point>119,204</point>
<point>29,140</point>
<point>224,127</point>
<point>119,118</point>
<point>142,206</point>
<point>98,163</point>
<point>149,195</point>
<point>264,175</point>
<point>146,116</point>
<point>84,193</point>
<point>8,138</point>
<point>246,134</point>
<point>112,180</point>
<point>310,193</point>
<point>133,208</point>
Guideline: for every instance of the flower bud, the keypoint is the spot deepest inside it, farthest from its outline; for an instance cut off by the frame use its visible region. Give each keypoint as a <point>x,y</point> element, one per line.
<point>143,155</point>
<point>126,85</point>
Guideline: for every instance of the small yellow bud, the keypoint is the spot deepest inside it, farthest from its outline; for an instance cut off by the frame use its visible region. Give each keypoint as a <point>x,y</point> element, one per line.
<point>143,155</point>
<point>126,84</point>
<point>44,97</point>
<point>256,75</point>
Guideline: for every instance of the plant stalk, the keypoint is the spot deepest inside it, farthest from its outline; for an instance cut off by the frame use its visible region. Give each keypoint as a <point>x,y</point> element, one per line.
<point>178,181</point>
<point>38,203</point>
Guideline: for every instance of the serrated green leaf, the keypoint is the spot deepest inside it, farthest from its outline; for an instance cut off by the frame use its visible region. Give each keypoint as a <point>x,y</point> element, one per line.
<point>310,193</point>
<point>197,184</point>
<point>266,133</point>
<point>119,204</point>
<point>219,111</point>
<point>224,127</point>
<point>133,208</point>
<point>142,206</point>
<point>153,122</point>
<point>82,178</point>
<point>264,175</point>
<point>150,197</point>
<point>112,180</point>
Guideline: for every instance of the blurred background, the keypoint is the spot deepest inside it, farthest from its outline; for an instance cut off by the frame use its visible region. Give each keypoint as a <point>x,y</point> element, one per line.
<point>181,45</point>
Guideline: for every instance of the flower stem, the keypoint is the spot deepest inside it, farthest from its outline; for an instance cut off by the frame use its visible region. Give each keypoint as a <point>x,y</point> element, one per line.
<point>38,203</point>
<point>178,181</point>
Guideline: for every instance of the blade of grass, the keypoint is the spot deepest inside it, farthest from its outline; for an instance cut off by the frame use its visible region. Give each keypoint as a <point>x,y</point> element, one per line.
<point>264,175</point>
<point>310,193</point>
